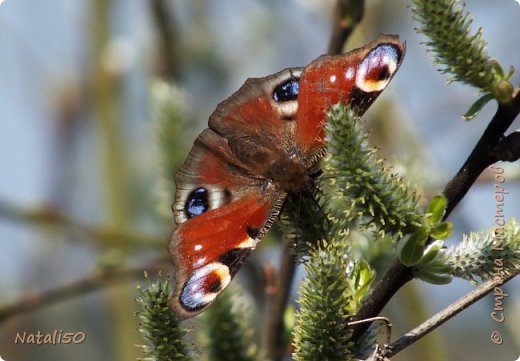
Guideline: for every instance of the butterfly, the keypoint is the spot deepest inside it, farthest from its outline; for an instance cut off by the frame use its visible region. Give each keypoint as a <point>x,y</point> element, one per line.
<point>260,145</point>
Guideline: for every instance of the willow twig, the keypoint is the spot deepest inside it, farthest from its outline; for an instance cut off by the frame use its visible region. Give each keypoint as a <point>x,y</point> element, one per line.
<point>274,345</point>
<point>444,315</point>
<point>483,154</point>
<point>347,15</point>
<point>480,158</point>
<point>94,282</point>
<point>168,42</point>
<point>102,235</point>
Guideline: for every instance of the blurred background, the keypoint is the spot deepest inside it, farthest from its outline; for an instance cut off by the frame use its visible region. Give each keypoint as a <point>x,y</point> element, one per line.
<point>84,205</point>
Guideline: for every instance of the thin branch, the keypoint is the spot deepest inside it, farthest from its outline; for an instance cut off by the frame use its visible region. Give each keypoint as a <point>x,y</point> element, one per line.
<point>483,154</point>
<point>480,158</point>
<point>168,41</point>
<point>102,235</point>
<point>274,345</point>
<point>347,15</point>
<point>94,282</point>
<point>444,315</point>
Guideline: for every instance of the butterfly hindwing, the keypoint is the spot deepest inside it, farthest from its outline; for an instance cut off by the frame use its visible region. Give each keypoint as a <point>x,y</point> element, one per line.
<point>221,213</point>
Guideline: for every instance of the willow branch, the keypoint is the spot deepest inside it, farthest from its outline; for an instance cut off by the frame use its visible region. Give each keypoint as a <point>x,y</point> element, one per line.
<point>101,235</point>
<point>274,344</point>
<point>483,154</point>
<point>347,15</point>
<point>168,41</point>
<point>94,282</point>
<point>480,158</point>
<point>444,315</point>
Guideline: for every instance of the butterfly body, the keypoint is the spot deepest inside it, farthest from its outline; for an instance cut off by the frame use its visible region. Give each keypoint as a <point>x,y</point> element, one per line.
<point>261,144</point>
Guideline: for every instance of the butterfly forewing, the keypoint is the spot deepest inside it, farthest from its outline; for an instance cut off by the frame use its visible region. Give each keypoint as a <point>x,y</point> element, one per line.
<point>355,78</point>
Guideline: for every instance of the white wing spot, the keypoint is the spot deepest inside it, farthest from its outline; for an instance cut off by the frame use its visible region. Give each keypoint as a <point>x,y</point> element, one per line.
<point>200,261</point>
<point>349,74</point>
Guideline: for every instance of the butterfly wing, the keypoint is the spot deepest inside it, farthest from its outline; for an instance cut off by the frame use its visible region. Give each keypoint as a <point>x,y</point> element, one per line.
<point>225,198</point>
<point>221,212</point>
<point>354,78</point>
<point>257,123</point>
<point>260,143</point>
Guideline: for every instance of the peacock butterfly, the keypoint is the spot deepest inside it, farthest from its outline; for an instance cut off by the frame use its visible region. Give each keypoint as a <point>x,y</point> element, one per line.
<point>260,145</point>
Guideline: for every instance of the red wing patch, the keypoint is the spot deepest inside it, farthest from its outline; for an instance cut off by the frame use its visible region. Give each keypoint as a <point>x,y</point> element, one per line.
<point>354,78</point>
<point>210,248</point>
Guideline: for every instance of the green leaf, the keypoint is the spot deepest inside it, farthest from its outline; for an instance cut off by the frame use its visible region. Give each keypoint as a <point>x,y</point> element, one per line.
<point>436,209</point>
<point>436,266</point>
<point>442,230</point>
<point>436,279</point>
<point>431,251</point>
<point>477,106</point>
<point>413,248</point>
<point>362,277</point>
<point>365,275</point>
